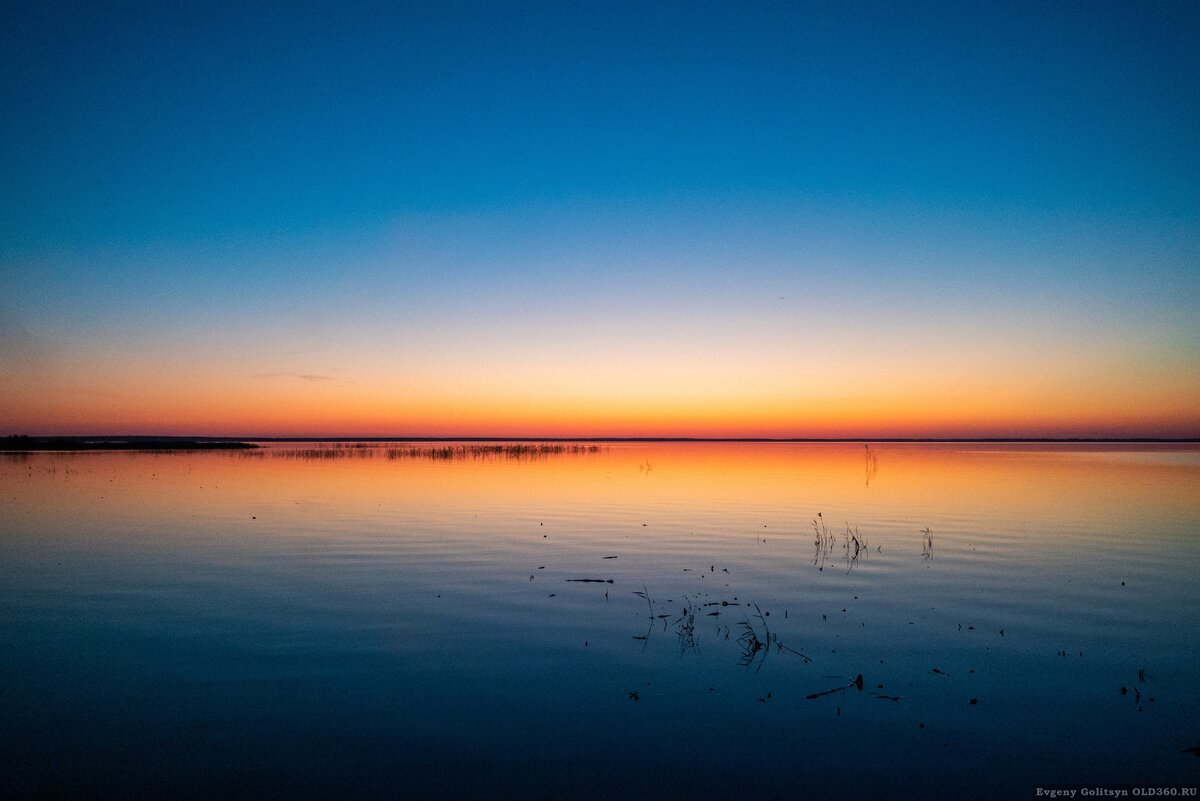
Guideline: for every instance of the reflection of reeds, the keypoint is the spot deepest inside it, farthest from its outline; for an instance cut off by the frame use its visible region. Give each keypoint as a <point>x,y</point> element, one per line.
<point>927,544</point>
<point>872,464</point>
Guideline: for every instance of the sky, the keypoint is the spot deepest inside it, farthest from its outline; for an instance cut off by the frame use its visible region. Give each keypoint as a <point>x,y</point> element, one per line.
<point>701,219</point>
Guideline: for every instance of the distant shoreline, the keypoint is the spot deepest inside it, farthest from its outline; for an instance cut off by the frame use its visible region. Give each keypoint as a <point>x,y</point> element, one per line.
<point>21,443</point>
<point>865,440</point>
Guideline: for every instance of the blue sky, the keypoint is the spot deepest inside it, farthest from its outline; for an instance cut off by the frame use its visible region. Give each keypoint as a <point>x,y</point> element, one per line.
<point>129,124</point>
<point>221,182</point>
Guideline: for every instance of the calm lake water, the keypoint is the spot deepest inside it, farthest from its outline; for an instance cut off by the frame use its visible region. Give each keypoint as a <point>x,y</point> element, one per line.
<point>317,620</point>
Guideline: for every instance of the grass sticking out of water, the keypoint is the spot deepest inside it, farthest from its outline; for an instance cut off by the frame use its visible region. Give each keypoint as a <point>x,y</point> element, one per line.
<point>437,453</point>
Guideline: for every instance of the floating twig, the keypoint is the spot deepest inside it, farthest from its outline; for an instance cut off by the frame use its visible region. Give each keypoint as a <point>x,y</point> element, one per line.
<point>857,682</point>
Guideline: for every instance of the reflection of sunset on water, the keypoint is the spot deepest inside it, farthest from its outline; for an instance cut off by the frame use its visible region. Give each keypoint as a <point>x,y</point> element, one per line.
<point>783,483</point>
<point>397,591</point>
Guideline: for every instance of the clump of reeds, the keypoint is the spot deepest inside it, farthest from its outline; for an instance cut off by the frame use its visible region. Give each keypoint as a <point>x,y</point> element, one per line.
<point>855,545</point>
<point>685,627</point>
<point>871,457</point>
<point>644,594</point>
<point>511,451</point>
<point>368,450</point>
<point>308,454</point>
<point>755,648</point>
<point>328,450</point>
<point>824,541</point>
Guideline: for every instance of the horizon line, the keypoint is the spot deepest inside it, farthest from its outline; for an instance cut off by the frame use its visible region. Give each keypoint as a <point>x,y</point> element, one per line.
<point>865,440</point>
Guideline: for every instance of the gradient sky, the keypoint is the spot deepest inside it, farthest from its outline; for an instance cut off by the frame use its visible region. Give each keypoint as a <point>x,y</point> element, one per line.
<point>705,219</point>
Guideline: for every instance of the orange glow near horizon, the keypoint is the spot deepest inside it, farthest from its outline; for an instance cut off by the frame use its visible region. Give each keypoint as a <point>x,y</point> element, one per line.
<point>334,415</point>
<point>773,395</point>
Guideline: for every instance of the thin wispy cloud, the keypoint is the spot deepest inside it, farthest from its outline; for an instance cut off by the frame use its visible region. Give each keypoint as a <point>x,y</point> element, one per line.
<point>301,376</point>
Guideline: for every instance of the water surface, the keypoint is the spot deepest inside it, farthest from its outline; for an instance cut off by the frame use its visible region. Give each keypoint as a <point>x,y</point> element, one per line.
<point>387,621</point>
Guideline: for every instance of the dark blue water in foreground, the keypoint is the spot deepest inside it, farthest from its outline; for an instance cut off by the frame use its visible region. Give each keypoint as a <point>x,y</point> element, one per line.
<point>320,623</point>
